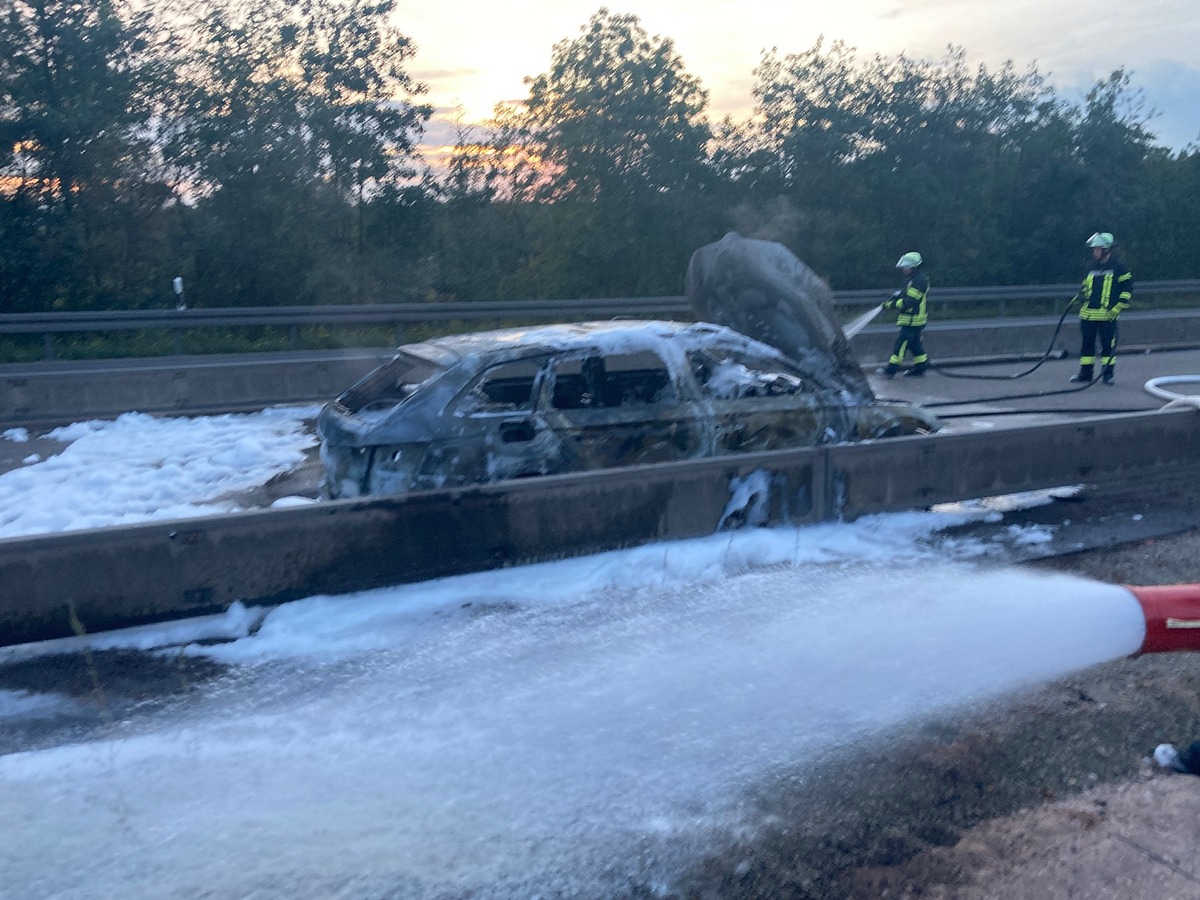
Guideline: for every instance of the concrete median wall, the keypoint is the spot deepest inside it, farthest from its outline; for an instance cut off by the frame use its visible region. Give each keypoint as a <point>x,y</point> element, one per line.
<point>40,394</point>
<point>967,338</point>
<point>116,577</point>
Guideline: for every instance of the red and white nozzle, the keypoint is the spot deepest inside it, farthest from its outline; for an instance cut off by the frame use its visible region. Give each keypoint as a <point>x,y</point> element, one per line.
<point>1172,614</point>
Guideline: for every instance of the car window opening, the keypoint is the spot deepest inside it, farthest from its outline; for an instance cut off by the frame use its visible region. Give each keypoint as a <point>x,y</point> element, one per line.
<point>504,388</point>
<point>390,385</point>
<point>612,382</point>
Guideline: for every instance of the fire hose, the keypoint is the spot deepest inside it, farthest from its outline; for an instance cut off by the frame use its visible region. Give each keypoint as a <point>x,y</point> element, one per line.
<point>1172,615</point>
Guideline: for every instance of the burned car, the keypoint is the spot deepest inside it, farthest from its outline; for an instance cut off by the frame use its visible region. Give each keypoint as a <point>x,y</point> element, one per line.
<point>474,408</point>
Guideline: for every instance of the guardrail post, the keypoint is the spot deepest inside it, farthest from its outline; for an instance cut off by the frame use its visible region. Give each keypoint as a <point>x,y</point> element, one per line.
<point>48,345</point>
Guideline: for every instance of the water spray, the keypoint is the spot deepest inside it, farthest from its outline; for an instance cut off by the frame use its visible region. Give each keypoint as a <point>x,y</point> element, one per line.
<point>1172,617</point>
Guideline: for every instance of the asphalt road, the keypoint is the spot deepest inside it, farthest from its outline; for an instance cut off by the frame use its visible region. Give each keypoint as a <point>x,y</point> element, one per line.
<point>970,395</point>
<point>966,394</point>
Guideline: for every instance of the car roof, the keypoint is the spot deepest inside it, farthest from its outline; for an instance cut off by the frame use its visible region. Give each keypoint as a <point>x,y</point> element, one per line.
<point>612,336</point>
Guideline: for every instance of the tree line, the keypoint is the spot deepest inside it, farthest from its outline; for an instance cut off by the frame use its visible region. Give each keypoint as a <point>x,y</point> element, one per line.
<point>269,152</point>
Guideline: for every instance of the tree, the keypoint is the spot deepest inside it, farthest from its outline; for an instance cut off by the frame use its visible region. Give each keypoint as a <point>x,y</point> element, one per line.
<point>77,82</point>
<point>617,111</point>
<point>78,88</point>
<point>317,90</point>
<point>1113,142</point>
<point>613,135</point>
<point>352,62</point>
<point>874,158</point>
<point>813,113</point>
<point>293,116</point>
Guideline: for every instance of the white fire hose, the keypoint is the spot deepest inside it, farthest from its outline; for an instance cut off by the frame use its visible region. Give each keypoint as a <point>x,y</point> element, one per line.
<point>1154,387</point>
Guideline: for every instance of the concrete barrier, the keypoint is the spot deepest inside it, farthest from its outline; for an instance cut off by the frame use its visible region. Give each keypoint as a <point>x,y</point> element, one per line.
<point>115,577</point>
<point>970,338</point>
<point>51,394</point>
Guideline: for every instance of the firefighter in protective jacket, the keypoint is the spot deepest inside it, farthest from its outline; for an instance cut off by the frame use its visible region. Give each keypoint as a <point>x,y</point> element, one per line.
<point>909,302</point>
<point>1107,290</point>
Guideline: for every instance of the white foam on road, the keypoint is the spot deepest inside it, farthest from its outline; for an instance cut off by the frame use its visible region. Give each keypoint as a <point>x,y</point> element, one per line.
<point>139,467</point>
<point>577,728</point>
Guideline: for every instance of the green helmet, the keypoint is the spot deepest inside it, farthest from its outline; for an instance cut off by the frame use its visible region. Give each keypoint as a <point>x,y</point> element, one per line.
<point>909,260</point>
<point>1101,239</point>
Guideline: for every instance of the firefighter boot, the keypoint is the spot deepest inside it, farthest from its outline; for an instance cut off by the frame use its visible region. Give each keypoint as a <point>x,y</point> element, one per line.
<point>1083,375</point>
<point>1106,375</point>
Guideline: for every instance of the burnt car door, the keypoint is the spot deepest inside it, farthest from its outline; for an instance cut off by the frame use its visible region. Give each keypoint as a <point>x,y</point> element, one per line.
<point>621,409</point>
<point>757,403</point>
<point>495,429</point>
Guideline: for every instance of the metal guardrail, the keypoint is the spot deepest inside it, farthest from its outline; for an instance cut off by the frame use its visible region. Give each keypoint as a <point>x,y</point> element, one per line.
<point>398,314</point>
<point>1146,293</point>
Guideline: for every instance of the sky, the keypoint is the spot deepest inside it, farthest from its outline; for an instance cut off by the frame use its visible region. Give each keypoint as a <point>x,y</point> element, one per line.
<point>536,730</point>
<point>474,54</point>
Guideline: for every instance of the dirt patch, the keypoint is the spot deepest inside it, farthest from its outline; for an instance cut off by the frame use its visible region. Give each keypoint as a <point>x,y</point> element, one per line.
<point>1137,839</point>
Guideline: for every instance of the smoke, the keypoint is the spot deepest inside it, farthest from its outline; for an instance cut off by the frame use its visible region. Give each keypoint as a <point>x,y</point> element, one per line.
<point>778,219</point>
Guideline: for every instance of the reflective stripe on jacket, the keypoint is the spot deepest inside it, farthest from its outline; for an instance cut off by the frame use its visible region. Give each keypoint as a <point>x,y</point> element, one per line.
<point>909,301</point>
<point>1106,292</point>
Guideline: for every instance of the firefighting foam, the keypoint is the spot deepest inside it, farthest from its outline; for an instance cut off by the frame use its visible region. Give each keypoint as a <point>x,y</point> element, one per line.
<point>539,739</point>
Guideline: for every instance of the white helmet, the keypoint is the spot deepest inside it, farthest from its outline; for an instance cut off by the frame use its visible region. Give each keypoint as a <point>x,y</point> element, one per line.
<point>1101,239</point>
<point>909,260</point>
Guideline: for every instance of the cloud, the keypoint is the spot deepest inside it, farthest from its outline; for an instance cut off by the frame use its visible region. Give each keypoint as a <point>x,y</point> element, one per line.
<point>445,74</point>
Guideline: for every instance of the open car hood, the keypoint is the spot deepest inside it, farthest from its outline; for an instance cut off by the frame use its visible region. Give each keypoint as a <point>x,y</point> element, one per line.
<point>761,289</point>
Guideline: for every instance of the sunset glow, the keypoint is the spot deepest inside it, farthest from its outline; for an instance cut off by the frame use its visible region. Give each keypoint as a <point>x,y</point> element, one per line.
<point>476,56</point>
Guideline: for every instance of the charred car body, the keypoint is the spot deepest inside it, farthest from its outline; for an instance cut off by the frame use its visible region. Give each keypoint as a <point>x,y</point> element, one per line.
<point>482,407</point>
<point>775,372</point>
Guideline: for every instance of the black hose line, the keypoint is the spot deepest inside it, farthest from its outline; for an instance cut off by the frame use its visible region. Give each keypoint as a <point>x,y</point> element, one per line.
<point>1073,390</point>
<point>1045,356</point>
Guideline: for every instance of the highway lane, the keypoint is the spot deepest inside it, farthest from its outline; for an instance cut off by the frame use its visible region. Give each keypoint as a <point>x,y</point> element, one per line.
<point>967,394</point>
<point>45,393</point>
<point>984,392</point>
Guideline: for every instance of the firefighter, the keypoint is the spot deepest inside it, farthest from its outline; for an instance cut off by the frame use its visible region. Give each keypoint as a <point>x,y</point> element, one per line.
<point>1107,290</point>
<point>909,303</point>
